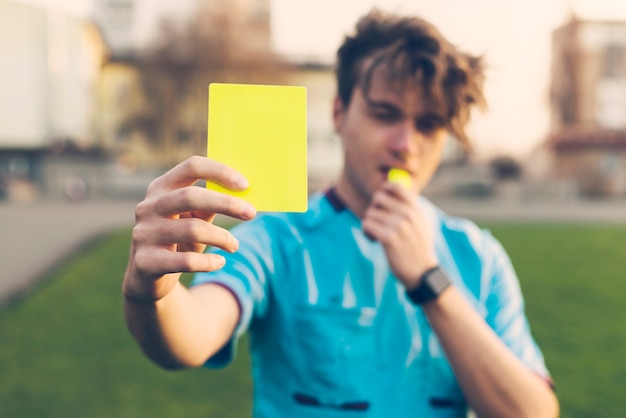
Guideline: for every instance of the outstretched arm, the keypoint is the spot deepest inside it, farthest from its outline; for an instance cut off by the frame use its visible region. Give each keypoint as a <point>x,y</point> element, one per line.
<point>178,327</point>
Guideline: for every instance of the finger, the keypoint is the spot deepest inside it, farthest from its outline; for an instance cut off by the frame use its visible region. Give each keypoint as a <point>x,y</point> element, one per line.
<point>195,168</point>
<point>159,261</point>
<point>194,246</point>
<point>201,200</point>
<point>375,229</point>
<point>394,197</point>
<point>379,200</point>
<point>385,200</point>
<point>205,216</point>
<point>186,231</point>
<point>379,214</point>
<point>399,191</point>
<point>386,224</point>
<point>190,247</point>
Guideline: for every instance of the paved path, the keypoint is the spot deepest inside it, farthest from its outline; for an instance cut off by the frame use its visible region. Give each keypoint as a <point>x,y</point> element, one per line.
<point>35,237</point>
<point>572,211</point>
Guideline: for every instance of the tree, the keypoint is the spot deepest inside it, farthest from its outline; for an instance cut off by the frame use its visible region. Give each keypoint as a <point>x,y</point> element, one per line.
<point>220,43</point>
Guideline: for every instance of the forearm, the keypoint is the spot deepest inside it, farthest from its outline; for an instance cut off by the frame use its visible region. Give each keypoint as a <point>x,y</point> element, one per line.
<point>494,381</point>
<point>183,328</point>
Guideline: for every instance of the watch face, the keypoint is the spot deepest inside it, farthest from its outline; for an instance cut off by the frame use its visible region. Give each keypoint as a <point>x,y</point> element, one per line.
<point>433,283</point>
<point>438,281</point>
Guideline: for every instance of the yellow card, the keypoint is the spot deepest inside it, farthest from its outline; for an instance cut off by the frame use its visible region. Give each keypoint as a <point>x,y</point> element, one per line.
<point>261,131</point>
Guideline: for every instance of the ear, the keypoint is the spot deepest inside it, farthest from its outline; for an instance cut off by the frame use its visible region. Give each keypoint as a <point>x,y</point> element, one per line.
<point>338,113</point>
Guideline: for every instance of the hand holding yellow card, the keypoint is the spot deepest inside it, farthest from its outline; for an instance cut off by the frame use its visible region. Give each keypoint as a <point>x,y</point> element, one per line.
<point>261,131</point>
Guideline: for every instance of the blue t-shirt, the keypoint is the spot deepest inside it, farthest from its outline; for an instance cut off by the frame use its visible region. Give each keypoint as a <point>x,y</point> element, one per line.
<point>332,333</point>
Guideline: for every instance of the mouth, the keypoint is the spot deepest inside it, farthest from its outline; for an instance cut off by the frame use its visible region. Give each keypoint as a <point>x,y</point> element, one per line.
<point>384,170</point>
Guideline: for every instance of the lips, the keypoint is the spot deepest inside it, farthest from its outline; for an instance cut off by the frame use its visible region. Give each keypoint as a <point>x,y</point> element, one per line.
<point>384,169</point>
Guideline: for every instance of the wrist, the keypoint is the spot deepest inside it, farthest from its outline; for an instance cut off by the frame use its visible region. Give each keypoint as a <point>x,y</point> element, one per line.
<point>429,286</point>
<point>147,291</point>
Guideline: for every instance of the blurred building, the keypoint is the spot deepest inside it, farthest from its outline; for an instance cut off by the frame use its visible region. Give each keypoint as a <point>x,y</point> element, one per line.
<point>153,100</point>
<point>323,146</point>
<point>115,19</point>
<point>84,109</point>
<point>49,63</point>
<point>588,128</point>
<point>252,15</point>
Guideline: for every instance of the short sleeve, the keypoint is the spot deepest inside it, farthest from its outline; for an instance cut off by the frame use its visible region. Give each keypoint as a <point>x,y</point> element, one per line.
<point>505,310</point>
<point>246,275</point>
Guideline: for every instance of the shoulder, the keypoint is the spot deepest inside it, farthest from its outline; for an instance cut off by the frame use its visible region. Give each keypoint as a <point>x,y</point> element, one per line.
<point>473,248</point>
<point>458,230</point>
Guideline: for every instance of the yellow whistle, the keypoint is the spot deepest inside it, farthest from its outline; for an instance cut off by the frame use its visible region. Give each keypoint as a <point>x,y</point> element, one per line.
<point>401,177</point>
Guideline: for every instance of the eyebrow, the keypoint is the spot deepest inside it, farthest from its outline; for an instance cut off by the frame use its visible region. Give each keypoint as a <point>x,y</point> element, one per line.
<point>382,105</point>
<point>389,107</point>
<point>432,115</point>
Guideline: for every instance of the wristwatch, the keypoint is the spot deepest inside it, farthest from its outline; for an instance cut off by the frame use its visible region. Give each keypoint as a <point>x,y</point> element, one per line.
<point>430,286</point>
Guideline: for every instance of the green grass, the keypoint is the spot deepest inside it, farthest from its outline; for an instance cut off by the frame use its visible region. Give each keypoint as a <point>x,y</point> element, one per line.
<point>65,352</point>
<point>574,281</point>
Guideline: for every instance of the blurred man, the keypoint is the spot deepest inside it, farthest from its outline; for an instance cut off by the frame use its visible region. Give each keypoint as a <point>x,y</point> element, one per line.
<point>373,303</point>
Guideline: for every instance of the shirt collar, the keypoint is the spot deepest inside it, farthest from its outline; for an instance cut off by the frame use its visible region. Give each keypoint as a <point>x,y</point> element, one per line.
<point>335,200</point>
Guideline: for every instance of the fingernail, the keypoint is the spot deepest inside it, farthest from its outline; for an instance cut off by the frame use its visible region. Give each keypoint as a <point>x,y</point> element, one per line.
<point>249,211</point>
<point>241,182</point>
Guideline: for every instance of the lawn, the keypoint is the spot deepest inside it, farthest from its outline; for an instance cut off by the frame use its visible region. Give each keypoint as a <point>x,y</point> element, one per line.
<point>574,280</point>
<point>65,352</point>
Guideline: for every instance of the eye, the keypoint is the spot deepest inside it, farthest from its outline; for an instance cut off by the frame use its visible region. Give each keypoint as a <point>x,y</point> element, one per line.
<point>385,113</point>
<point>429,124</point>
<point>386,116</point>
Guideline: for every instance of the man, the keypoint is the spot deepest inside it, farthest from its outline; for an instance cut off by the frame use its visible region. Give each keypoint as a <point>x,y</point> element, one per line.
<point>373,303</point>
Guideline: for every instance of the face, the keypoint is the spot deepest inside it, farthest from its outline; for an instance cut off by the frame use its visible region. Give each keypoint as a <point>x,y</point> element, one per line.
<point>393,129</point>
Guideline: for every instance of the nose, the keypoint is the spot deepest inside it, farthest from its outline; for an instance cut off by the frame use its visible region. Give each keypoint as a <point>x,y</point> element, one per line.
<point>403,141</point>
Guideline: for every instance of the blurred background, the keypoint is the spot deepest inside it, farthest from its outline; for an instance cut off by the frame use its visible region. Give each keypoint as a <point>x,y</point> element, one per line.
<point>98,97</point>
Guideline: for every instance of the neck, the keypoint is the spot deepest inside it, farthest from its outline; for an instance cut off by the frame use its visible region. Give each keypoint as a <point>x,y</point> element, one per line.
<point>353,200</point>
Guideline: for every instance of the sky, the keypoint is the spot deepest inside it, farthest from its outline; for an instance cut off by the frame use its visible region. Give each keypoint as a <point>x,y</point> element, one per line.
<point>512,35</point>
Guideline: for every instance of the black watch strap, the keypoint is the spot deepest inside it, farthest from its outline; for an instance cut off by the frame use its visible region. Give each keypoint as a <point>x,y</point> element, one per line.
<point>432,283</point>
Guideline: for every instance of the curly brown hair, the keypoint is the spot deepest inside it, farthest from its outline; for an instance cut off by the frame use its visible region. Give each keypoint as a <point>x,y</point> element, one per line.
<point>412,51</point>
